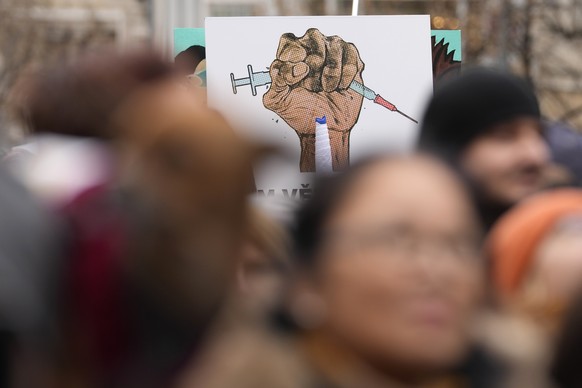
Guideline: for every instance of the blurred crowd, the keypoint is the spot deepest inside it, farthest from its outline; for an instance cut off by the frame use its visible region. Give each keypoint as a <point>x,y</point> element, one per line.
<point>132,255</point>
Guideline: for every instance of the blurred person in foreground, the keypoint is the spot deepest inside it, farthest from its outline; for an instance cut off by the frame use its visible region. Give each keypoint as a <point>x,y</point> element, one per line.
<point>67,108</point>
<point>182,185</point>
<point>30,255</point>
<point>263,266</point>
<point>536,257</point>
<point>536,254</point>
<point>565,368</point>
<point>487,125</point>
<point>386,284</point>
<point>154,246</point>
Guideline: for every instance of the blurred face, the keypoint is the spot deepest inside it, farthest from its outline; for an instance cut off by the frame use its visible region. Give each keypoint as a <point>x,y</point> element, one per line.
<point>184,175</point>
<point>556,276</point>
<point>260,278</point>
<point>508,161</point>
<point>400,274</point>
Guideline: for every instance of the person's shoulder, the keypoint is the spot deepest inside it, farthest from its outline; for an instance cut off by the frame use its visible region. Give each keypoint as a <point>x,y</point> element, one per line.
<point>249,359</point>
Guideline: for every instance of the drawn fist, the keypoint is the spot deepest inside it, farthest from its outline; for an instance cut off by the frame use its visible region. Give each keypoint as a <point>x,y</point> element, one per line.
<point>311,77</point>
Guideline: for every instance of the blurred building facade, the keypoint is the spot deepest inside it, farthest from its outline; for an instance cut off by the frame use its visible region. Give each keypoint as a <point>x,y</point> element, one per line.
<point>36,32</point>
<point>536,38</point>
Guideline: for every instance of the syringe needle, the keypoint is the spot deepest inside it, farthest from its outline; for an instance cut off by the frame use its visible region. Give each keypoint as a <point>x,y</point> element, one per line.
<point>378,99</point>
<point>407,116</point>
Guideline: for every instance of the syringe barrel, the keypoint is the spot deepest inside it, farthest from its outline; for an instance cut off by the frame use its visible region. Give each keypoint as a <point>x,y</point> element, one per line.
<point>363,90</point>
<point>261,78</point>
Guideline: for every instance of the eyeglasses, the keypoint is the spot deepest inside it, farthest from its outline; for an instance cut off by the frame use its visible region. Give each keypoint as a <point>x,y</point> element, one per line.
<point>401,242</point>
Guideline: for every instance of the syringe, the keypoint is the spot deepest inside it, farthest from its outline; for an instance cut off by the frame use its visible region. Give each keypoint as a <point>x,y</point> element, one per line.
<point>261,78</point>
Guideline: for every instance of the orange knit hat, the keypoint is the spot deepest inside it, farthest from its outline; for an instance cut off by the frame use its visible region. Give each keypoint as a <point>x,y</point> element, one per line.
<point>512,242</point>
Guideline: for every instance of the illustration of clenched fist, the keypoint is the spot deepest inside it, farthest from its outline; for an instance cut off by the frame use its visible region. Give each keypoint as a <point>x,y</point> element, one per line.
<point>311,78</point>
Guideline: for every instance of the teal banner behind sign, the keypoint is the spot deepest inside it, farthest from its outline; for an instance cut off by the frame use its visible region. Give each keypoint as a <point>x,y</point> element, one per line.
<point>186,37</point>
<point>447,48</point>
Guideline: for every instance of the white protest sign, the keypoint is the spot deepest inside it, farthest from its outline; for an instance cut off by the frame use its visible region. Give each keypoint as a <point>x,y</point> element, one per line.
<point>273,76</point>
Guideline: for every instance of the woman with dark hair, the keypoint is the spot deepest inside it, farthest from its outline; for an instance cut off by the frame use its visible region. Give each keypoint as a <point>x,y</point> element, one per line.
<point>390,275</point>
<point>535,252</point>
<point>387,281</point>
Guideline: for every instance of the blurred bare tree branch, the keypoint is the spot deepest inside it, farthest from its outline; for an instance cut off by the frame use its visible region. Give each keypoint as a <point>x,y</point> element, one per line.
<point>38,32</point>
<point>539,39</point>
